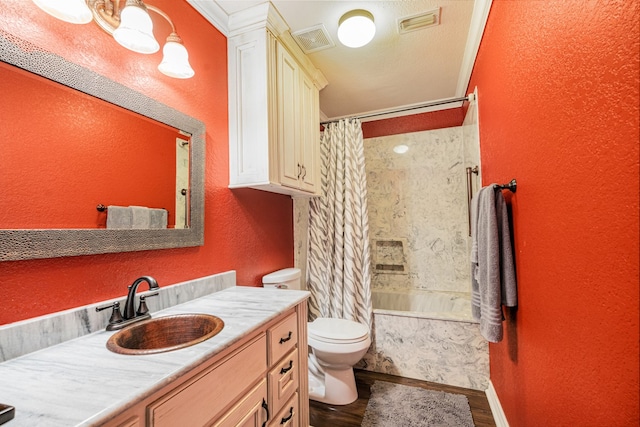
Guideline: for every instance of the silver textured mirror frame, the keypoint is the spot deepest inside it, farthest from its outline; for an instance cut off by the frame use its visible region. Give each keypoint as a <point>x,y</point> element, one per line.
<point>53,243</point>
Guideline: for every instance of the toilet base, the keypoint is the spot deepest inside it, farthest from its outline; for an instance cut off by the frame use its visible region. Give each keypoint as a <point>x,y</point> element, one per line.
<point>335,387</point>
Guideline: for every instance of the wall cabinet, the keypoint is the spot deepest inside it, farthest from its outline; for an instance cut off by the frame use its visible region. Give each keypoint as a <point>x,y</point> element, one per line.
<point>260,381</point>
<point>274,113</point>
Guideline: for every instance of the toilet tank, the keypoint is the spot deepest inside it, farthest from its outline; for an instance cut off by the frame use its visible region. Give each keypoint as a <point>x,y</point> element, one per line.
<point>288,278</point>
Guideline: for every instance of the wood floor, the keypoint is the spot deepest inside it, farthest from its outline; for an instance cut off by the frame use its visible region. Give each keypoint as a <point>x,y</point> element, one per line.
<point>351,415</point>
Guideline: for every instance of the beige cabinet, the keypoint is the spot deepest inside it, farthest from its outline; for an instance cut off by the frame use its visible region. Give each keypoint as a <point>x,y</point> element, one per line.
<point>274,115</point>
<point>259,381</point>
<point>298,125</point>
<point>204,398</point>
<point>249,412</point>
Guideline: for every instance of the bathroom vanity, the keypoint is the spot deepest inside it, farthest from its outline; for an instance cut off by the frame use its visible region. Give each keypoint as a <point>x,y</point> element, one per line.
<point>252,373</point>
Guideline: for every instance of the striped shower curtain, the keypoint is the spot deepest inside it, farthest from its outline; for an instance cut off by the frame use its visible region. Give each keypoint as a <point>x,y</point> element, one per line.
<point>338,261</point>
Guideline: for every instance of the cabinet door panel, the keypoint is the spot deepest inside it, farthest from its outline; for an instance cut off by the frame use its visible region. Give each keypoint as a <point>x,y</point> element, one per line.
<point>310,135</point>
<point>249,412</point>
<point>288,118</point>
<point>203,399</point>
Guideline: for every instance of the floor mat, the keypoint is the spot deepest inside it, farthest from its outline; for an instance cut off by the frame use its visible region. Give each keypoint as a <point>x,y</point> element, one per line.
<point>396,405</point>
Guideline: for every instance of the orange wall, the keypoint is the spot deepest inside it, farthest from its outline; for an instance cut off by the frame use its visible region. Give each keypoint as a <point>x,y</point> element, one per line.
<point>80,150</point>
<point>558,109</point>
<point>246,230</point>
<point>414,123</point>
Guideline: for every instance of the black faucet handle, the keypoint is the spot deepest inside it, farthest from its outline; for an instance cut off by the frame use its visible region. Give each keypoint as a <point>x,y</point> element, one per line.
<point>142,308</point>
<point>116,316</point>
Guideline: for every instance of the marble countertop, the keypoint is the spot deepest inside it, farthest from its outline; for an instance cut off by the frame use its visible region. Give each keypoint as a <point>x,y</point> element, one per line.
<point>80,382</point>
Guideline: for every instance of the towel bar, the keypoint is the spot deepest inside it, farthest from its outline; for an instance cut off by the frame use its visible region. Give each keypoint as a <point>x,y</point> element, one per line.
<point>511,186</point>
<point>470,170</point>
<point>103,208</point>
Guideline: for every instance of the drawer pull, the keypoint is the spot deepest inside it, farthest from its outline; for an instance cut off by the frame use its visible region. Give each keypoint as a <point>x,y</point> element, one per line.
<point>287,369</point>
<point>285,419</point>
<point>266,408</point>
<point>284,340</point>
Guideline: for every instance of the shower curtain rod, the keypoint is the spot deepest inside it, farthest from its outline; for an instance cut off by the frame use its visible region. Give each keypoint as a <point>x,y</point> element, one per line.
<point>399,110</point>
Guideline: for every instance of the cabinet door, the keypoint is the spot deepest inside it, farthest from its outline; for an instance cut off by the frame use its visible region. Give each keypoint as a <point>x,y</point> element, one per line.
<point>251,411</point>
<point>204,398</point>
<point>288,119</point>
<point>310,135</point>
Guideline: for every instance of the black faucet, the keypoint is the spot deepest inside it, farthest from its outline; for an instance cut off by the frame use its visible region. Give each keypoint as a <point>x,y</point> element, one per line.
<point>129,310</point>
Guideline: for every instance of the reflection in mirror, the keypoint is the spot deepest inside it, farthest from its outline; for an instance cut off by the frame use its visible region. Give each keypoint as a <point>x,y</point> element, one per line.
<point>167,174</point>
<point>68,152</point>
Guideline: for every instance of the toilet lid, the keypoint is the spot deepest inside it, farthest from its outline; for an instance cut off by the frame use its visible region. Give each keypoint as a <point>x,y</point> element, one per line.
<point>337,330</point>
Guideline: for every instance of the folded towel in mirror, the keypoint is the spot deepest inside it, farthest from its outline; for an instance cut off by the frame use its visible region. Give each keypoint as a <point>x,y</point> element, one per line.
<point>140,217</point>
<point>158,218</point>
<point>118,217</point>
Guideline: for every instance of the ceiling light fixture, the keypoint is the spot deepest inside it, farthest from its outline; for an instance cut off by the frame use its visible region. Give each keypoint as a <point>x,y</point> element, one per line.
<point>131,27</point>
<point>356,28</point>
<point>401,149</point>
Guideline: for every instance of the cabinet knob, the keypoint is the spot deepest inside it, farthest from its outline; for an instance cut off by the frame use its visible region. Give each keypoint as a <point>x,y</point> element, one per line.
<point>304,172</point>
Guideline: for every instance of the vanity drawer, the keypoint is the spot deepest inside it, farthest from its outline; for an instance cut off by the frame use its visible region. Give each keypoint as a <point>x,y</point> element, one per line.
<point>202,399</point>
<point>282,338</point>
<point>288,416</point>
<point>283,380</point>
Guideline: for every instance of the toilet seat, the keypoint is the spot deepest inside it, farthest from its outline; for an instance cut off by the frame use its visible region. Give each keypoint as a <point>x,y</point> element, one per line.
<point>337,331</point>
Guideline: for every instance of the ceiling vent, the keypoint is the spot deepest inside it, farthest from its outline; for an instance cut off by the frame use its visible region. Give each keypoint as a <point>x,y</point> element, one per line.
<point>313,39</point>
<point>419,21</point>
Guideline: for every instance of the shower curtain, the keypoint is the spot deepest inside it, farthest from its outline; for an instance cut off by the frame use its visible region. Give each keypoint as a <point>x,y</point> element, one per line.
<point>338,261</point>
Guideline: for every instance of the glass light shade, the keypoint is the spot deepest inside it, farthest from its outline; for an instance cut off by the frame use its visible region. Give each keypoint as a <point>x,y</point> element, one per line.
<point>135,31</point>
<point>356,28</point>
<point>175,61</point>
<point>73,11</point>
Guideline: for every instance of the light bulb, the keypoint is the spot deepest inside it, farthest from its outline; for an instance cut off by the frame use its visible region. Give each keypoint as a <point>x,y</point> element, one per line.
<point>135,31</point>
<point>356,28</point>
<point>175,59</point>
<point>73,11</point>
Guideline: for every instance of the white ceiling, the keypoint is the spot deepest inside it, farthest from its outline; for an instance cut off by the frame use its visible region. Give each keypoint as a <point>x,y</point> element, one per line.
<point>395,70</point>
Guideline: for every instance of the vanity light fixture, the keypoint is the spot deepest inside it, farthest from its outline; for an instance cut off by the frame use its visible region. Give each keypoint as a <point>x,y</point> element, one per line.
<point>356,28</point>
<point>72,11</point>
<point>130,26</point>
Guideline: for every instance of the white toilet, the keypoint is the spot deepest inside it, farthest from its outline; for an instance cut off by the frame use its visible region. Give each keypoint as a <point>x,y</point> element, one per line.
<point>336,345</point>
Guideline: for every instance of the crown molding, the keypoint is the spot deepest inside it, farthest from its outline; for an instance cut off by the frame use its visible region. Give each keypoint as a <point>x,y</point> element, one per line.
<point>213,13</point>
<point>478,22</point>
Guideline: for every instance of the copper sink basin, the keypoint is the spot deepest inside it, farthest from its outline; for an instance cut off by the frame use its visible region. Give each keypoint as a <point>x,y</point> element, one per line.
<point>166,333</point>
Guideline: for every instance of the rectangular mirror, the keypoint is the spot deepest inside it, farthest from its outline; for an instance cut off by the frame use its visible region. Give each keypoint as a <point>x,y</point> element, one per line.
<point>87,142</point>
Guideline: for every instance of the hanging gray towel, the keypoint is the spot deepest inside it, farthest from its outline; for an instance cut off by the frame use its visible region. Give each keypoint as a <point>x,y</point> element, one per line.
<point>493,276</point>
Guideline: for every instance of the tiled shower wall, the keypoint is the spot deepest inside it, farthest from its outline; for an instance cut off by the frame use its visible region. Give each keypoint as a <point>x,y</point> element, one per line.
<point>418,221</point>
<point>418,211</point>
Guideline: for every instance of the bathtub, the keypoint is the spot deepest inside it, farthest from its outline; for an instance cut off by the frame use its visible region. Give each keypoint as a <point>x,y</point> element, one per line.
<point>427,335</point>
<point>454,306</point>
